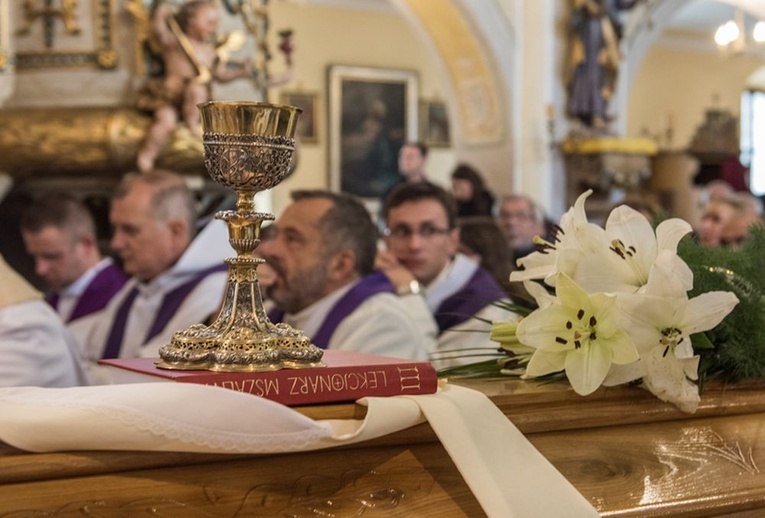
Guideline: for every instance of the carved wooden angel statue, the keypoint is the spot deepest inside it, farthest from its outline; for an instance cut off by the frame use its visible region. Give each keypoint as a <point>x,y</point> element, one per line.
<point>595,58</point>
<point>186,42</point>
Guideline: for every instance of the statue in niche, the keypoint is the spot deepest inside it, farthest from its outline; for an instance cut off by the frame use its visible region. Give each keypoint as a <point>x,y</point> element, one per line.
<point>596,33</point>
<point>187,46</point>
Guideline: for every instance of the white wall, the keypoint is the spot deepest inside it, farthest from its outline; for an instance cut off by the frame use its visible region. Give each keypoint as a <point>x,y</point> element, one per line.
<point>683,84</point>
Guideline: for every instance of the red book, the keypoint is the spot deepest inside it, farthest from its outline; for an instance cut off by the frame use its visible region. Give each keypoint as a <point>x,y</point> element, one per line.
<point>347,376</point>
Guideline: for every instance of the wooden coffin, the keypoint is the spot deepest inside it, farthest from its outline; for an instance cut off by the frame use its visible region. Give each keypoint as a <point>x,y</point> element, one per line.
<point>626,452</point>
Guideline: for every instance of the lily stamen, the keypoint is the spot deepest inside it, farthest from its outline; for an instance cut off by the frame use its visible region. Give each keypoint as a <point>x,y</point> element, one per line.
<point>627,253</point>
<point>539,240</point>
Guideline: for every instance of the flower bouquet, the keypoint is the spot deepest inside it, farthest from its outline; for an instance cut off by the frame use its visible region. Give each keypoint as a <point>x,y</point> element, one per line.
<point>630,304</point>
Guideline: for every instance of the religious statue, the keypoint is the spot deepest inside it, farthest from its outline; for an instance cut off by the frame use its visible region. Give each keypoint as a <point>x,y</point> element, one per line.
<point>595,58</point>
<point>187,47</point>
<point>255,16</point>
<point>192,57</point>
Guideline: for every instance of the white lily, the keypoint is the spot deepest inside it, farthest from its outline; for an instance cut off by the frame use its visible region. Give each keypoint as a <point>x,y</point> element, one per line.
<point>505,334</point>
<point>575,239</point>
<point>632,251</point>
<point>661,321</point>
<point>578,333</point>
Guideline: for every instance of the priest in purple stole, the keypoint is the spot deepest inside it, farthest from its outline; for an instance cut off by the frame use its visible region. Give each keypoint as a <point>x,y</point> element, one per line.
<point>178,275</point>
<point>323,255</point>
<point>422,239</point>
<point>60,234</point>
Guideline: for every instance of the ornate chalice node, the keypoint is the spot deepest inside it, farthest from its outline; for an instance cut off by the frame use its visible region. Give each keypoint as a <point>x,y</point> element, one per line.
<point>248,148</point>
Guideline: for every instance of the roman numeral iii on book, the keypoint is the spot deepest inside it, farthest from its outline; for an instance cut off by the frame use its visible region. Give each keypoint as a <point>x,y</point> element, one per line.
<point>348,376</point>
<point>409,377</point>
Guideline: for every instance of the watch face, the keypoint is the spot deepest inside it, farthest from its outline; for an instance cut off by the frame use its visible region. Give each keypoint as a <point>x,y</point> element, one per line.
<point>412,288</point>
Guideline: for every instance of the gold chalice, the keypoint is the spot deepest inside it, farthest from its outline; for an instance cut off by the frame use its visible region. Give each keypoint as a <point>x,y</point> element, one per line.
<point>248,147</point>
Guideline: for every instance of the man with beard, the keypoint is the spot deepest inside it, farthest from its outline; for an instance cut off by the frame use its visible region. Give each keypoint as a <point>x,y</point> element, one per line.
<point>323,253</point>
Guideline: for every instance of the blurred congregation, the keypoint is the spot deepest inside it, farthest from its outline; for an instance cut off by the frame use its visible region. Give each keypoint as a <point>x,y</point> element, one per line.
<point>417,184</point>
<point>434,272</point>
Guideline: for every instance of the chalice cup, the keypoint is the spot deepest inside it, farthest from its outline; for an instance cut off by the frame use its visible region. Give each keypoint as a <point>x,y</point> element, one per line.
<point>248,147</point>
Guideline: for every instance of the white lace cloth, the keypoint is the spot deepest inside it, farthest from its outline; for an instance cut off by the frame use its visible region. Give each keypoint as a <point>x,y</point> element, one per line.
<point>508,476</point>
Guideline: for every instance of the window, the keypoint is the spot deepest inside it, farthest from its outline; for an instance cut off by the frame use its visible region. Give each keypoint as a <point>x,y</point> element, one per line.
<point>753,138</point>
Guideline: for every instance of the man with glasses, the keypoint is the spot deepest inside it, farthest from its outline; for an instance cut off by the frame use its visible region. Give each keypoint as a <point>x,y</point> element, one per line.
<point>323,252</point>
<point>520,219</point>
<point>422,239</point>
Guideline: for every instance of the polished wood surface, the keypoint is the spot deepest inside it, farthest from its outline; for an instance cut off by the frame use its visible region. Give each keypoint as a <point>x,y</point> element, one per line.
<point>626,452</point>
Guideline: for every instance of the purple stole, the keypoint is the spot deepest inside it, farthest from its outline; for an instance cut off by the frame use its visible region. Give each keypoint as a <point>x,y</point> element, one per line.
<point>368,286</point>
<point>97,295</point>
<point>52,299</point>
<point>170,304</point>
<point>471,298</point>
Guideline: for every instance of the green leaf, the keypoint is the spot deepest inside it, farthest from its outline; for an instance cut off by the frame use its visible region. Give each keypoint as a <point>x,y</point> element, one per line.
<point>701,342</point>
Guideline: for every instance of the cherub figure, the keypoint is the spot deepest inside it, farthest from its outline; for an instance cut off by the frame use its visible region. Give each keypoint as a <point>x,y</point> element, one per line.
<point>187,44</point>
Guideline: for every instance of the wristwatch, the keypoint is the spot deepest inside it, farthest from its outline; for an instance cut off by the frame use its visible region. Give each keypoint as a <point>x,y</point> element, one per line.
<point>410,288</point>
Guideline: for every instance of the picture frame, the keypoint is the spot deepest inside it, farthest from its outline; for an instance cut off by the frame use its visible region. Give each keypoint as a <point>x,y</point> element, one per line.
<point>308,124</point>
<point>372,113</point>
<point>435,130</point>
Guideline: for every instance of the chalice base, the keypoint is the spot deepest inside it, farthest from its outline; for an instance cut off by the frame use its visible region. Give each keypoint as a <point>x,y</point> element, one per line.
<point>242,338</point>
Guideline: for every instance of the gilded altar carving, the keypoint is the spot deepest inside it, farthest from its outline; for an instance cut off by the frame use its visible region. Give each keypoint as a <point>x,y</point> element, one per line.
<point>86,142</point>
<point>70,13</point>
<point>67,12</point>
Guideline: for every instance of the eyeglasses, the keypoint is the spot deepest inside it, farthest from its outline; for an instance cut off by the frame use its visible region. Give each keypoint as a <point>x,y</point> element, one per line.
<point>425,231</point>
<point>515,215</point>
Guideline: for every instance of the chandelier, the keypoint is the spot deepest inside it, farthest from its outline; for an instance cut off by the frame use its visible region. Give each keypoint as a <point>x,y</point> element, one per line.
<point>731,36</point>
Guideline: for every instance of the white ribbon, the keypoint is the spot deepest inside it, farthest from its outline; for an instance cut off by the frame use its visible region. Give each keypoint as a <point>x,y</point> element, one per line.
<point>508,476</point>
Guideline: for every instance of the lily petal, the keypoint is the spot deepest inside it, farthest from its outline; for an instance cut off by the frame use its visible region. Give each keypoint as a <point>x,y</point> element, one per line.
<point>707,310</point>
<point>541,295</point>
<point>666,379</point>
<point>586,368</point>
<point>670,232</point>
<point>542,328</point>
<point>545,362</point>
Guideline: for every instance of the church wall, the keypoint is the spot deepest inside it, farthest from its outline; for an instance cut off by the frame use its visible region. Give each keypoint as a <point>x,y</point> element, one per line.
<point>680,85</point>
<point>357,38</point>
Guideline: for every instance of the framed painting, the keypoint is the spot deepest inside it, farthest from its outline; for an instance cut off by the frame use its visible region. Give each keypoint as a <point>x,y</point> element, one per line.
<point>434,127</point>
<point>372,113</point>
<point>308,125</point>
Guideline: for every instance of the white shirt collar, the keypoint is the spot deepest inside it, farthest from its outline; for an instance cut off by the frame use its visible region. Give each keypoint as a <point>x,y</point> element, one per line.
<point>310,319</point>
<point>454,275</point>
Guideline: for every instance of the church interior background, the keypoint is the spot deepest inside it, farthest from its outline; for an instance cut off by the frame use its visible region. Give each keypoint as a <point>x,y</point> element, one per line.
<point>70,73</point>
